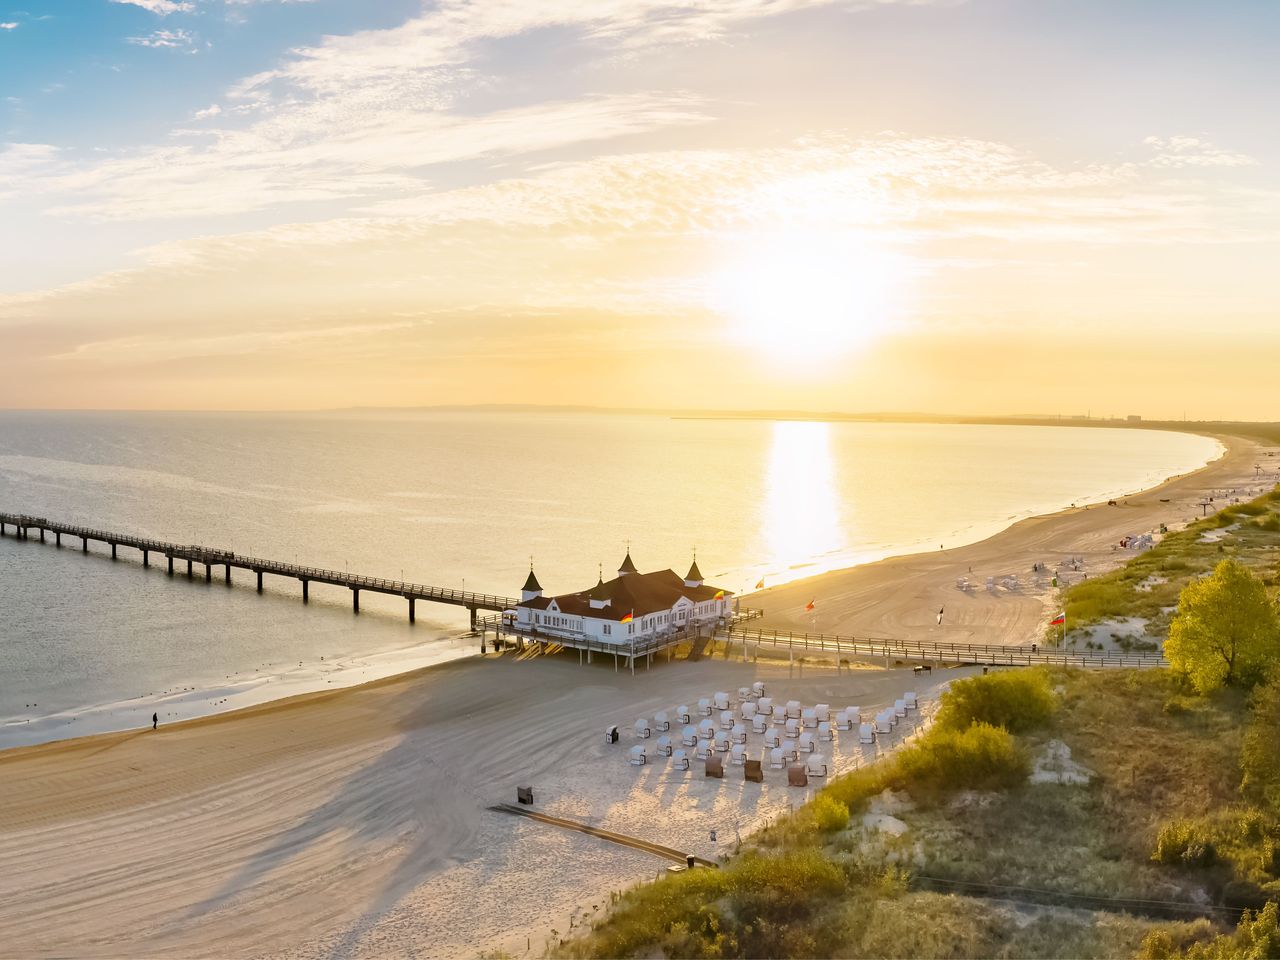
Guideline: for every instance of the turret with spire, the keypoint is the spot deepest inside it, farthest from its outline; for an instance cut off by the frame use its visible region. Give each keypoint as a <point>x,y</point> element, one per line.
<point>628,566</point>
<point>532,589</point>
<point>694,577</point>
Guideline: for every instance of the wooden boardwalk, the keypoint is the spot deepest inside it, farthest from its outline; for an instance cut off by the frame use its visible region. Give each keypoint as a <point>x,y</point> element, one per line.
<point>24,527</point>
<point>635,843</point>
<point>929,651</point>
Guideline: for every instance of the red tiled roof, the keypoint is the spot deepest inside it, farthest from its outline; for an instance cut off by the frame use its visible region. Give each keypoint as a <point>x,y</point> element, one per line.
<point>636,593</point>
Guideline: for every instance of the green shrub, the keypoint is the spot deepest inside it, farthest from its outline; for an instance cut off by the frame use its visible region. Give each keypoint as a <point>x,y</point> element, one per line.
<point>1257,937</point>
<point>1018,700</point>
<point>829,814</point>
<point>1260,747</point>
<point>1270,522</point>
<point>981,757</point>
<point>1184,843</point>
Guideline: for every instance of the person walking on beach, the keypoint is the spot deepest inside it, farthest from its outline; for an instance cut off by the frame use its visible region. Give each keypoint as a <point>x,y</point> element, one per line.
<point>155,720</point>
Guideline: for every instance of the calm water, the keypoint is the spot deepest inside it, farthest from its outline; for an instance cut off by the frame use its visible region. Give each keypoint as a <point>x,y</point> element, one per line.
<point>460,500</point>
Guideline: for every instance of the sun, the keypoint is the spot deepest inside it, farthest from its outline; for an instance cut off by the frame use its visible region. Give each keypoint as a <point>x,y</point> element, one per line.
<point>803,294</point>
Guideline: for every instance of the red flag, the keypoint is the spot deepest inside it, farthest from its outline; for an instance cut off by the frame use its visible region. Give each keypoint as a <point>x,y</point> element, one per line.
<point>1058,620</point>
<point>809,605</point>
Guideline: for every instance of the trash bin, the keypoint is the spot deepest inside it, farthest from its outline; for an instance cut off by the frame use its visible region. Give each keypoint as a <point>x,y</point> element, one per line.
<point>524,795</point>
<point>688,860</point>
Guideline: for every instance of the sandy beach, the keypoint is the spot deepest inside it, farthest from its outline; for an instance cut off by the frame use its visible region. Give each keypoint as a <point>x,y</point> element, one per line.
<point>354,822</point>
<point>901,596</point>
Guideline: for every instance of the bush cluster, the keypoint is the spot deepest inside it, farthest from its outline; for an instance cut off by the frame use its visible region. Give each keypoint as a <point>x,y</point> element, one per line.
<point>1018,700</point>
<point>980,757</point>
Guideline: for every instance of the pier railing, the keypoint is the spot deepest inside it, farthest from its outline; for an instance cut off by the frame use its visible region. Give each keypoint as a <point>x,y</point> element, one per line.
<point>940,652</point>
<point>216,557</point>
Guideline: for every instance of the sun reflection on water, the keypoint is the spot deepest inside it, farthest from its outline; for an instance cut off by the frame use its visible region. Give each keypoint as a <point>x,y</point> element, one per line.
<point>802,515</point>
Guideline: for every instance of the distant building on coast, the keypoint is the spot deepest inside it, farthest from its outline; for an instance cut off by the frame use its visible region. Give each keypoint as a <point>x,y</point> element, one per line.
<point>633,606</point>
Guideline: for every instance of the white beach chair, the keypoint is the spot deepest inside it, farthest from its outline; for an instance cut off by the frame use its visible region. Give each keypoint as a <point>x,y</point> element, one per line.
<point>776,760</point>
<point>643,729</point>
<point>779,714</point>
<point>913,702</point>
<point>759,723</point>
<point>816,765</point>
<point>866,733</point>
<point>822,711</point>
<point>704,707</point>
<point>738,734</point>
<point>883,723</point>
<point>854,714</point>
<point>637,756</point>
<point>748,710</point>
<point>706,729</point>
<point>900,708</point>
<point>689,737</point>
<point>722,700</point>
<point>842,721</point>
<point>722,742</point>
<point>683,715</point>
<point>757,688</point>
<point>793,727</point>
<point>772,737</point>
<point>805,744</point>
<point>704,749</point>
<point>664,746</point>
<point>788,748</point>
<point>661,722</point>
<point>680,760</point>
<point>824,732</point>
<point>744,694</point>
<point>808,717</point>
<point>738,754</point>
<point>727,719</point>
<point>793,709</point>
<point>765,705</point>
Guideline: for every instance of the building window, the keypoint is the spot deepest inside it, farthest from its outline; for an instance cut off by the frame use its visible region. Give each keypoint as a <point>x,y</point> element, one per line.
<point>608,629</point>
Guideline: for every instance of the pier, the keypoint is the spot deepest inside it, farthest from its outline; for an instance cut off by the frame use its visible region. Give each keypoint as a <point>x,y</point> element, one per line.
<point>211,559</point>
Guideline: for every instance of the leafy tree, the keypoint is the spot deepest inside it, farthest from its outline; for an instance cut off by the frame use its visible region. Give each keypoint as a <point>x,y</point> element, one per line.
<point>1225,631</point>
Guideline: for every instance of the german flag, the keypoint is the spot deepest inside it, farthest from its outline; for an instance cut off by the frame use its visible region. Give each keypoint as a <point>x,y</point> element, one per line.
<point>628,618</point>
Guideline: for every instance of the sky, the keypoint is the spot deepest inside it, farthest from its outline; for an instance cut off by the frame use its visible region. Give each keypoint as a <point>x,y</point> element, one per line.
<point>957,206</point>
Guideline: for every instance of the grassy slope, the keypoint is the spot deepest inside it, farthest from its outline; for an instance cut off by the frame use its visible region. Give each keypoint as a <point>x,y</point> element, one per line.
<point>1250,533</point>
<point>1156,756</point>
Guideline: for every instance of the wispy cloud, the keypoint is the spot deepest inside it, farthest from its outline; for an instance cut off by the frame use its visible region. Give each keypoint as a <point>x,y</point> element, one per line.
<point>161,7</point>
<point>1184,151</point>
<point>9,25</point>
<point>165,39</point>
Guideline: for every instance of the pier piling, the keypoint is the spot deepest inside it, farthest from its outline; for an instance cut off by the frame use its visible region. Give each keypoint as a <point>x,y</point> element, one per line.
<point>259,572</point>
<point>355,600</point>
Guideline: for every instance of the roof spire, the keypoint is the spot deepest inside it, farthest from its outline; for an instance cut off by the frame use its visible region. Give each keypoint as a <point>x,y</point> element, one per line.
<point>628,565</point>
<point>694,577</point>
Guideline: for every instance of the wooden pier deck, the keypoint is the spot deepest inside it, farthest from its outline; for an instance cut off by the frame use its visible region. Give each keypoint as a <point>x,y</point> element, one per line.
<point>930,651</point>
<point>209,558</point>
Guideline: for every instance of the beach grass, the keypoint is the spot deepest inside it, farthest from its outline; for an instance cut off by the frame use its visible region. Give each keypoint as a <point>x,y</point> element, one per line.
<point>1147,587</point>
<point>1158,783</point>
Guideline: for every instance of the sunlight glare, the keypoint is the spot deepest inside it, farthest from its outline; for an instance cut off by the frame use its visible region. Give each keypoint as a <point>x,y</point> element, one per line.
<point>808,295</point>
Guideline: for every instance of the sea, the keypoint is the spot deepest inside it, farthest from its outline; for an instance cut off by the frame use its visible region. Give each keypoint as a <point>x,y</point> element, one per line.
<point>459,499</point>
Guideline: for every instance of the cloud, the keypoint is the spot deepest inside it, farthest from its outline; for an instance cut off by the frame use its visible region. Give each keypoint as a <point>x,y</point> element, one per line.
<point>10,25</point>
<point>165,39</point>
<point>161,7</point>
<point>1184,151</point>
<point>335,151</point>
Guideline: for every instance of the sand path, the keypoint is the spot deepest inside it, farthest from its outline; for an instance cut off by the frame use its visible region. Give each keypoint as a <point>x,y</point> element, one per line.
<point>353,822</point>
